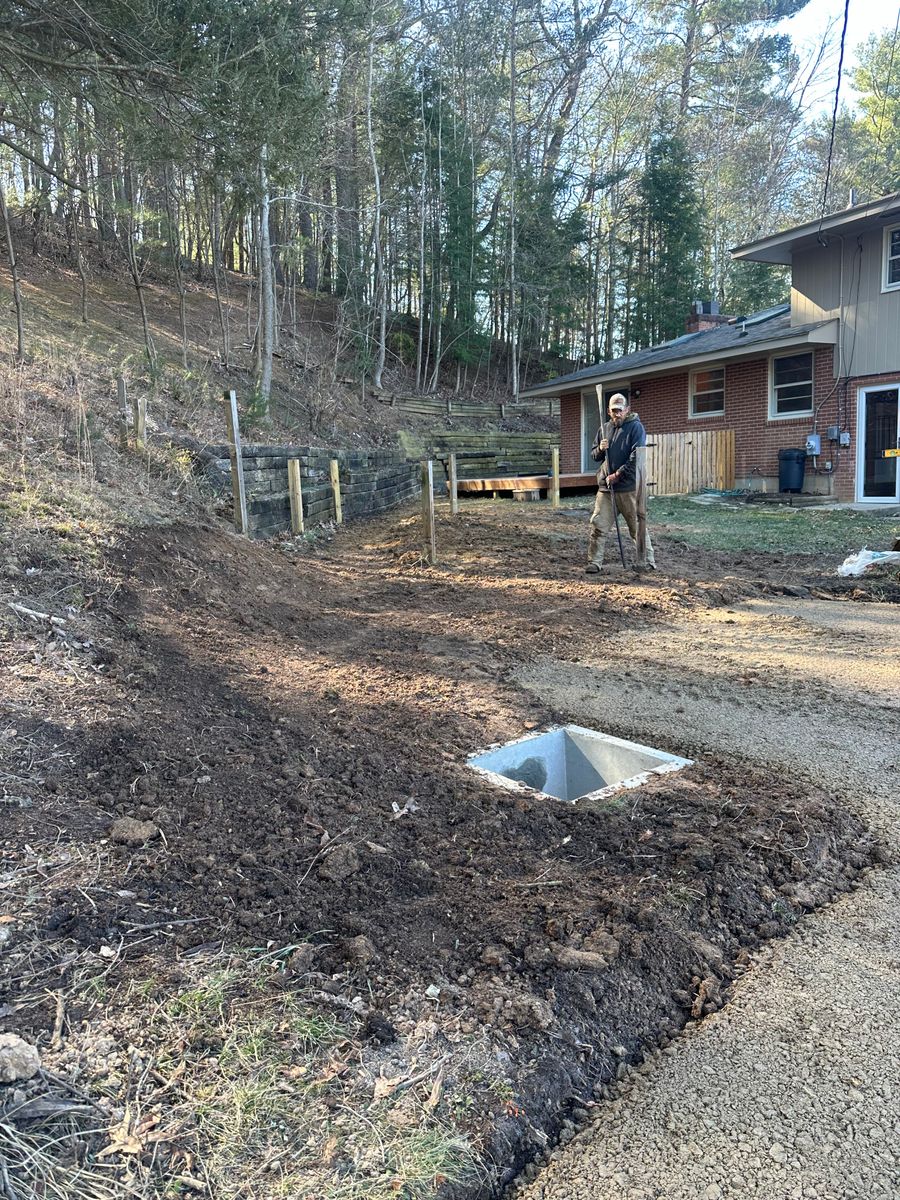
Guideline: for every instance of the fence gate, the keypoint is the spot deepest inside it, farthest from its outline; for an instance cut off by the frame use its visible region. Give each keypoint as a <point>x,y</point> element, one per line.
<point>687,462</point>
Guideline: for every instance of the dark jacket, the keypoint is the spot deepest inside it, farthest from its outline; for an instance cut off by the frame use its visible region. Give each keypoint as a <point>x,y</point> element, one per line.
<point>621,453</point>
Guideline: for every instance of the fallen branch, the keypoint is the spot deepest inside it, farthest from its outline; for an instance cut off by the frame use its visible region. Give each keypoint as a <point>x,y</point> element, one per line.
<point>58,1021</point>
<point>33,615</point>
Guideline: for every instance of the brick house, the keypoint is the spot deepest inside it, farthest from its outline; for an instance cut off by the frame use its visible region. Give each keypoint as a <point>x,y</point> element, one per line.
<point>821,373</point>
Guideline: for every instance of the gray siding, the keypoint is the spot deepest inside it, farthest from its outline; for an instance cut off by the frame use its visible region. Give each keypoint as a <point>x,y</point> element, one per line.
<point>871,341</point>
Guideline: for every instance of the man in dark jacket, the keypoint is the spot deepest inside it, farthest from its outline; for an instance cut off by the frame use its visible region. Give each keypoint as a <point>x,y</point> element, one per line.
<point>614,449</point>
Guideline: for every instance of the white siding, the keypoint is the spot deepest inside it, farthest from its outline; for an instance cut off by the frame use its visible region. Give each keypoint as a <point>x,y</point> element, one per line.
<point>871,334</point>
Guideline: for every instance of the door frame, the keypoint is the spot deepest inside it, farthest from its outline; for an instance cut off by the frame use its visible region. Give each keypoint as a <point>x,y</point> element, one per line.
<point>588,466</point>
<point>861,395</point>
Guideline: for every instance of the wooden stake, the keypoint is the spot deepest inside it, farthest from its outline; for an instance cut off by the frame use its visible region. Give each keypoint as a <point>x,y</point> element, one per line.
<point>296,491</point>
<point>123,412</point>
<point>640,460</point>
<point>139,420</point>
<point>454,489</point>
<point>554,477</point>
<point>238,491</point>
<point>336,488</point>
<point>428,511</point>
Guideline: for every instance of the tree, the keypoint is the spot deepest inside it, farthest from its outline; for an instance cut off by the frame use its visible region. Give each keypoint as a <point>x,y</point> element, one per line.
<point>667,242</point>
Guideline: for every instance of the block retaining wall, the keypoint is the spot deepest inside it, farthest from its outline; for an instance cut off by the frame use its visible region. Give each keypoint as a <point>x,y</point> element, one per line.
<point>372,481</point>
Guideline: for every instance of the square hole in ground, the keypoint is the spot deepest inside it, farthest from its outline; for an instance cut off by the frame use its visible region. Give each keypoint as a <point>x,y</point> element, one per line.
<point>572,763</point>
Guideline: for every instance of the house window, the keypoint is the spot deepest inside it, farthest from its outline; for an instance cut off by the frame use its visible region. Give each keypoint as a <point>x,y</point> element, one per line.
<point>792,385</point>
<point>892,258</point>
<point>708,392</point>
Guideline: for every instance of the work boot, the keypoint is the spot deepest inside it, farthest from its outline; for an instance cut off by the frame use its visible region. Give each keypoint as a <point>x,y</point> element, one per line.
<point>592,569</point>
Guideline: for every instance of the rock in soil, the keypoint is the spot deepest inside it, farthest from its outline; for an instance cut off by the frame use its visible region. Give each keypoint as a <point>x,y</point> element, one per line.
<point>129,832</point>
<point>18,1058</point>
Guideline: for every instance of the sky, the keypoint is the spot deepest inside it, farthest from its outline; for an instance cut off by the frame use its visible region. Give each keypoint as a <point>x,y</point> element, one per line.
<point>809,26</point>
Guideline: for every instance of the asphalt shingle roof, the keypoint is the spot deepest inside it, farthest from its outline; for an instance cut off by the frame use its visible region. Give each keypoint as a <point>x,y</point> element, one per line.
<point>765,326</point>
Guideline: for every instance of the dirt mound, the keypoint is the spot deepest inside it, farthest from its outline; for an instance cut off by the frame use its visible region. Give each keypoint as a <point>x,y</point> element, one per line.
<point>296,731</point>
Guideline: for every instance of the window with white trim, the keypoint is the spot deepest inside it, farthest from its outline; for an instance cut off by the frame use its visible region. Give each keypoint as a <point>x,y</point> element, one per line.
<point>792,385</point>
<point>708,392</point>
<point>892,257</point>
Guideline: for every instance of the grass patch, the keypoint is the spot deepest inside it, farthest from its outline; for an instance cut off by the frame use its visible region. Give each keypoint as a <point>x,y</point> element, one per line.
<point>275,1096</point>
<point>771,529</point>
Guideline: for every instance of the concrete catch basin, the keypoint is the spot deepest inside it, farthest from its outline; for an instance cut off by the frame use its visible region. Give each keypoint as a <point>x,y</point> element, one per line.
<point>568,762</point>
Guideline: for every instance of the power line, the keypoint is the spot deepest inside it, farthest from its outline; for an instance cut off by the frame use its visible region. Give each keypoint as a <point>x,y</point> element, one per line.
<point>837,94</point>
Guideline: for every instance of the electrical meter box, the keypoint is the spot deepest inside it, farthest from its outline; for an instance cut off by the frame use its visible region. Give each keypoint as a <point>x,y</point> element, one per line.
<point>844,439</point>
<point>813,444</point>
<point>833,433</point>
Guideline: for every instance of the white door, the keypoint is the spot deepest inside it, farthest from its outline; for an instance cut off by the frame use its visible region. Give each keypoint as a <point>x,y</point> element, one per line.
<point>877,430</point>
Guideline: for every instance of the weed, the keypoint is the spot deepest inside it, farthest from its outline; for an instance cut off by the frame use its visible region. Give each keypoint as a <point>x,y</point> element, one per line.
<point>680,896</point>
<point>203,1002</point>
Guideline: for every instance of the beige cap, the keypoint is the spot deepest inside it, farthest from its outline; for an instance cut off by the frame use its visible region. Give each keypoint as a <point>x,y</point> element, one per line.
<point>618,401</point>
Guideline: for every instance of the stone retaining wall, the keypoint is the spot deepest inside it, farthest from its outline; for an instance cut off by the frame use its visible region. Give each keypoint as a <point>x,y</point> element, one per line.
<point>371,481</point>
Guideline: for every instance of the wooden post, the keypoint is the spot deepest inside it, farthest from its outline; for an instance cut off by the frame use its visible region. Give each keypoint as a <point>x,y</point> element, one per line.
<point>238,491</point>
<point>139,419</point>
<point>123,412</point>
<point>296,491</point>
<point>336,488</point>
<point>428,511</point>
<point>640,460</point>
<point>454,490</point>
<point>554,477</point>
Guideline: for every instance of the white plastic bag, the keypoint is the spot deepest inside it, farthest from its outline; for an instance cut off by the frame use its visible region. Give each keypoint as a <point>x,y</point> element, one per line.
<point>857,563</point>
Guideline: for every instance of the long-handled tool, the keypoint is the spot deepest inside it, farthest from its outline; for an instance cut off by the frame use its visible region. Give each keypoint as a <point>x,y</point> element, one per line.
<point>612,496</point>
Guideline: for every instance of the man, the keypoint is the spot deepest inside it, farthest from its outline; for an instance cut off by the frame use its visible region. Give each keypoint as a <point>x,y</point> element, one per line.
<point>615,449</point>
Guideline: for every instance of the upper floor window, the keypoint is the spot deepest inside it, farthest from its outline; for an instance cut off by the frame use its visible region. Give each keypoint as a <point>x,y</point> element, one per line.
<point>892,257</point>
<point>708,392</point>
<point>792,385</point>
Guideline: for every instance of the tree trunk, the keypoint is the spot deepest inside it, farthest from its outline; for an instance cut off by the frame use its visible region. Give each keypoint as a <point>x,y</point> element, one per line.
<point>14,272</point>
<point>380,297</point>
<point>266,293</point>
<point>513,317</point>
<point>216,254</point>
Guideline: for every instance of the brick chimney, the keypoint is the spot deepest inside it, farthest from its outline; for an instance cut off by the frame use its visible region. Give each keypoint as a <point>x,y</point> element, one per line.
<point>704,315</point>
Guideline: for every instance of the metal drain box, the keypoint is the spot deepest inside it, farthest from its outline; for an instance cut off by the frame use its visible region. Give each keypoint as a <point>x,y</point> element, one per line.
<point>571,763</point>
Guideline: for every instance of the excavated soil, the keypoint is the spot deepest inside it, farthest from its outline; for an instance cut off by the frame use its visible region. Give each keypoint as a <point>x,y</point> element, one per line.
<point>294,721</point>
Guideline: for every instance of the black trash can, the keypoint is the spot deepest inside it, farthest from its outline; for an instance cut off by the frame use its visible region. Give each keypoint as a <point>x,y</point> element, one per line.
<point>791,469</point>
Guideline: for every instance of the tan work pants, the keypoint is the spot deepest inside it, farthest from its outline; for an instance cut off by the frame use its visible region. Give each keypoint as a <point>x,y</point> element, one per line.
<point>603,519</point>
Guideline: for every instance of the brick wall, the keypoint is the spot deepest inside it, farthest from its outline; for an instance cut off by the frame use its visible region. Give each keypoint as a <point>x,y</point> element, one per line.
<point>570,433</point>
<point>663,408</point>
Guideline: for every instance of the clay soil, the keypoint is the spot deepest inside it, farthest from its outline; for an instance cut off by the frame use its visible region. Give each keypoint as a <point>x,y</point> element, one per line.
<point>294,721</point>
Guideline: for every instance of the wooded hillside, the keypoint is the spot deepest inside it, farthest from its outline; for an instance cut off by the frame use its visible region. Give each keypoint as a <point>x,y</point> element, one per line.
<point>497,188</point>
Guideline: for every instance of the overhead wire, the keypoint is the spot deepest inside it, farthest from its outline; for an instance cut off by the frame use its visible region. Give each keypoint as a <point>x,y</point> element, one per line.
<point>834,114</point>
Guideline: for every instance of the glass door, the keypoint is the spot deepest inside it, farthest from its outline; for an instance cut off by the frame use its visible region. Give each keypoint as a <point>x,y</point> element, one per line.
<point>878,430</point>
<point>591,418</point>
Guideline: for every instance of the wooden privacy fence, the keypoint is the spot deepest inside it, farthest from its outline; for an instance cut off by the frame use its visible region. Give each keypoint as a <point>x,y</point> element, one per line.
<point>687,462</point>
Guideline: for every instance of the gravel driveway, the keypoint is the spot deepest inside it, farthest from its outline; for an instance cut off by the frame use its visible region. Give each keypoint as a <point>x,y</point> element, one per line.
<point>793,1089</point>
